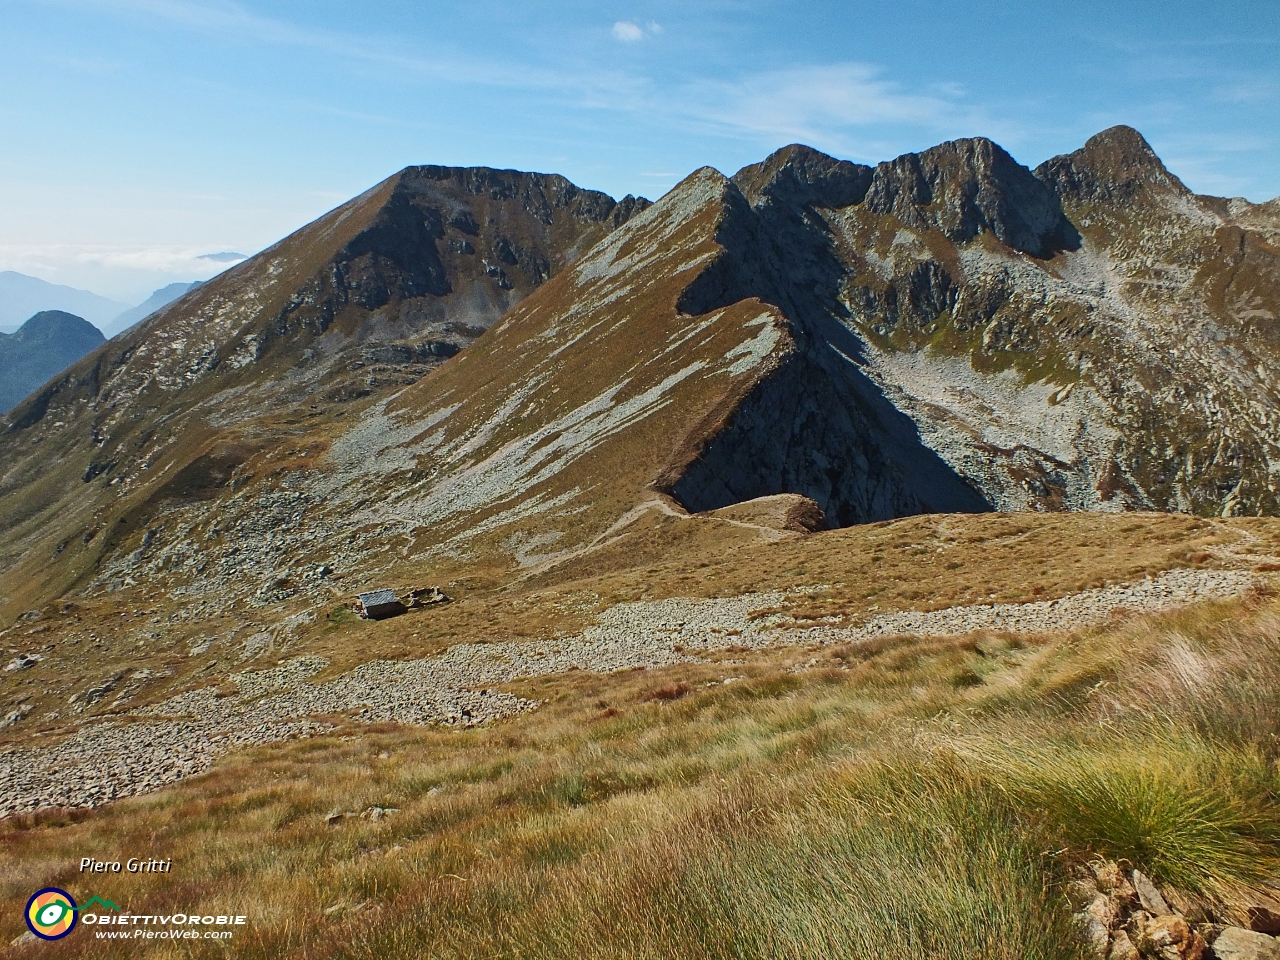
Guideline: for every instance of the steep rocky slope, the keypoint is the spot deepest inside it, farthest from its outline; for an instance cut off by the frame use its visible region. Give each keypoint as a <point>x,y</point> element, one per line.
<point>159,298</point>
<point>1090,336</point>
<point>1125,359</point>
<point>366,299</point>
<point>43,346</point>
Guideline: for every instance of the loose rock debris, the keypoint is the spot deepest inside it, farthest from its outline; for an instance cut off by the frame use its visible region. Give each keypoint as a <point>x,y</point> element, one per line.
<point>182,737</point>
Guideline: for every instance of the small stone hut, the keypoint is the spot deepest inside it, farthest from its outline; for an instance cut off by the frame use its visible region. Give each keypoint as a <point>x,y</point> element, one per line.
<point>379,604</point>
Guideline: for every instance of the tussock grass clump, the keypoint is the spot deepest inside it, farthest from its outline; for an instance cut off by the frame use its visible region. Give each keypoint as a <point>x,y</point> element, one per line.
<point>1202,817</point>
<point>672,691</point>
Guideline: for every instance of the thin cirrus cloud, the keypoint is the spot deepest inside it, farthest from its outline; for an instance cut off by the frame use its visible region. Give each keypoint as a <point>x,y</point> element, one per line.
<point>234,20</point>
<point>629,31</point>
<point>819,104</point>
<point>825,105</point>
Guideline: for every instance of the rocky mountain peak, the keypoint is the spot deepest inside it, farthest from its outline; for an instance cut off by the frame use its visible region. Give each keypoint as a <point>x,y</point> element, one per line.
<point>966,187</point>
<point>879,341</point>
<point>1113,166</point>
<point>802,175</point>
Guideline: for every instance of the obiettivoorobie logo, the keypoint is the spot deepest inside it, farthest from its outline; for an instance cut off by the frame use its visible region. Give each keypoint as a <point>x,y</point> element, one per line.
<point>51,913</point>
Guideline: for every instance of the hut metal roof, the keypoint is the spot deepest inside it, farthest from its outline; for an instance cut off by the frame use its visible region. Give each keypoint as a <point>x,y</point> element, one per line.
<point>376,598</point>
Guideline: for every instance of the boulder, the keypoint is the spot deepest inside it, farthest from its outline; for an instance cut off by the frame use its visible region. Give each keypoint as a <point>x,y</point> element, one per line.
<point>1112,879</point>
<point>1169,937</point>
<point>1237,943</point>
<point>1265,918</point>
<point>1152,901</point>
<point>1122,948</point>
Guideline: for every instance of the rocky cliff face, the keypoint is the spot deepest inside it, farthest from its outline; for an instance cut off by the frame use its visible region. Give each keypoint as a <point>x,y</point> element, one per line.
<point>1092,336</point>
<point>1068,339</point>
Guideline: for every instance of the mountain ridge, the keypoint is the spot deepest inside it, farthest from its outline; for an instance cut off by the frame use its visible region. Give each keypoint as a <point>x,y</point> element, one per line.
<point>159,298</point>
<point>944,331</point>
<point>23,296</point>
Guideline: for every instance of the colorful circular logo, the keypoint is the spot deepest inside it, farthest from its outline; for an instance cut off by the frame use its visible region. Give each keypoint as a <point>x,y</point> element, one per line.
<point>51,913</point>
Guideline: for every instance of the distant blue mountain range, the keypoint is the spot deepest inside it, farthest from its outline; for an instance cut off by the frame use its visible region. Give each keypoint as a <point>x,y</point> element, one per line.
<point>22,296</point>
<point>54,337</point>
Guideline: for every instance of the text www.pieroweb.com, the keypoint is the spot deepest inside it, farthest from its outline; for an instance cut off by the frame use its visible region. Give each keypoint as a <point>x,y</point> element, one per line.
<point>142,927</point>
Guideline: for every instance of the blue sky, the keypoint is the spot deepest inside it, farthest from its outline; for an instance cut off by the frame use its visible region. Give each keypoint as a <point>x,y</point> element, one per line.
<point>139,134</point>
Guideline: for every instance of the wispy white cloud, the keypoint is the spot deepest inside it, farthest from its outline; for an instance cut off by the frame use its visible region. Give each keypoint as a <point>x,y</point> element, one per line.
<point>835,107</point>
<point>628,32</point>
<point>62,256</point>
<point>589,86</point>
<point>831,106</point>
<point>1261,89</point>
<point>124,272</point>
<point>232,20</point>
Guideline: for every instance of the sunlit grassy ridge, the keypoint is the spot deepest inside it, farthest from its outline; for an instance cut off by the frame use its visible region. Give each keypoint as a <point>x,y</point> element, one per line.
<point>905,798</point>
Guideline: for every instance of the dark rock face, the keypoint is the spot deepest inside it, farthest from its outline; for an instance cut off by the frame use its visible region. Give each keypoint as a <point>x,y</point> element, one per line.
<point>801,175</point>
<point>965,187</point>
<point>1119,352</point>
<point>42,347</point>
<point>425,261</point>
<point>421,246</point>
<point>1110,168</point>
<point>815,426</point>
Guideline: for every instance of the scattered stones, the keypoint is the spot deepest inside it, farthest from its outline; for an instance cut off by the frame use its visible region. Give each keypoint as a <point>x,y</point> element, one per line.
<point>424,597</point>
<point>94,694</point>
<point>1129,918</point>
<point>1073,612</point>
<point>183,736</point>
<point>15,716</point>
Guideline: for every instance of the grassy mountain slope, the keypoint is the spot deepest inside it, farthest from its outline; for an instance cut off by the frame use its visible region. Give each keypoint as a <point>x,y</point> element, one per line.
<point>160,298</point>
<point>909,796</point>
<point>366,299</point>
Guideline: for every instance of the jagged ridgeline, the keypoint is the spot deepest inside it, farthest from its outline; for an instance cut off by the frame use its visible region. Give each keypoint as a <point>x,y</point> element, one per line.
<point>948,331</point>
